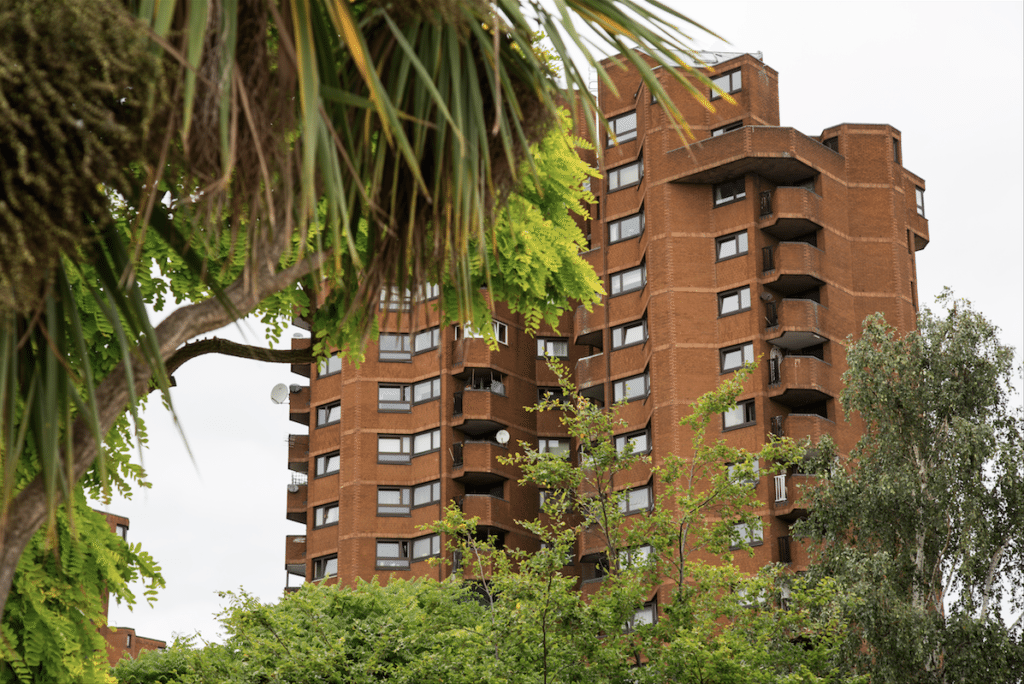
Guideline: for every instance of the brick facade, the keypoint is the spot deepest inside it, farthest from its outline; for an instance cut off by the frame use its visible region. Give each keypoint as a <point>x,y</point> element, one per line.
<point>759,235</point>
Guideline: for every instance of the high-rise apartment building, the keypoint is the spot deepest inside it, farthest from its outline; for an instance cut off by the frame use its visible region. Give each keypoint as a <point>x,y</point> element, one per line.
<point>756,241</point>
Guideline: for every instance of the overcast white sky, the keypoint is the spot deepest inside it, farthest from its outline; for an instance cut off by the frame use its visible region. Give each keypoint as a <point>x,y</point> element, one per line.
<point>948,75</point>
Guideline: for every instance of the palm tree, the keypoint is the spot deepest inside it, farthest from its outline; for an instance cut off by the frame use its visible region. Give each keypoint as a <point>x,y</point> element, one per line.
<point>368,142</point>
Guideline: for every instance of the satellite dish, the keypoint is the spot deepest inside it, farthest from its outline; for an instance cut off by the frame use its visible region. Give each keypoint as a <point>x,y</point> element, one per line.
<point>502,437</point>
<point>767,296</point>
<point>297,336</point>
<point>293,488</point>
<point>279,394</point>
<point>296,389</point>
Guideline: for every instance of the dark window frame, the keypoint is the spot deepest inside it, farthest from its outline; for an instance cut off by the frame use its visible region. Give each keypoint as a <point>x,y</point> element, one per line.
<point>734,348</point>
<point>617,223</point>
<point>727,128</point>
<point>543,342</point>
<point>395,356</point>
<point>325,457</point>
<point>919,199</point>
<point>400,562</point>
<point>622,329</point>
<point>624,504</point>
<point>623,136</point>
<point>642,268</point>
<point>646,376</point>
<point>736,186</point>
<point>738,237</point>
<point>320,566</point>
<point>749,408</point>
<point>325,508</point>
<point>435,340</point>
<point>639,162</point>
<point>328,407</point>
<point>323,368</point>
<point>738,291</point>
<point>627,437</point>
<point>732,85</point>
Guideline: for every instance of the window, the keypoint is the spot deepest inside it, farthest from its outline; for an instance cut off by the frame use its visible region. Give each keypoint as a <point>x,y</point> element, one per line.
<point>920,201</point>
<point>401,448</point>
<point>425,547</point>
<point>629,280</point>
<point>626,228</point>
<point>325,566</point>
<point>328,366</point>
<point>392,555</point>
<point>428,291</point>
<point>500,332</point>
<point>328,414</point>
<point>395,299</point>
<point>831,143</point>
<point>128,641</point>
<point>555,395</point>
<point>325,515</point>
<point>640,555</point>
<point>426,340</point>
<point>896,150</point>
<point>731,82</point>
<point>625,176</point>
<point>547,346</point>
<point>394,347</point>
<point>426,390</point>
<point>629,334</point>
<point>426,494</point>
<point>741,416</point>
<point>121,531</point>
<point>623,129</point>
<point>393,398</point>
<point>733,301</point>
<point>732,358</point>
<point>755,472</point>
<point>647,615</point>
<point>328,464</point>
<point>730,191</point>
<point>634,442</point>
<point>752,535</point>
<point>734,126</point>
<point>547,445</point>
<point>392,501</point>
<point>731,245</point>
<point>486,381</point>
<point>636,500</point>
<point>629,389</point>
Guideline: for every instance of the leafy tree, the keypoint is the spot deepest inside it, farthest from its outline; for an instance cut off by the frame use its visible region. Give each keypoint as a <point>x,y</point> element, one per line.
<point>368,143</point>
<point>923,525</point>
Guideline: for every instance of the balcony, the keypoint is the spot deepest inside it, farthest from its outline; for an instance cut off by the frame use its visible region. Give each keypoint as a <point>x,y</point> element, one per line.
<point>798,426</point>
<point>492,511</point>
<point>793,267</point>
<point>790,504</point>
<point>590,375</point>
<point>799,380</point>
<point>298,404</point>
<point>790,212</point>
<point>588,326</point>
<point>301,368</point>
<point>480,411</point>
<point>476,462</point>
<point>298,453</point>
<point>783,156</point>
<point>472,351</point>
<point>796,323</point>
<point>295,554</point>
<point>297,495</point>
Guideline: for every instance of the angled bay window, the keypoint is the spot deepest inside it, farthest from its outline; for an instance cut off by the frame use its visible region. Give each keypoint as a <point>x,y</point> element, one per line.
<point>500,332</point>
<point>626,227</point>
<point>732,358</point>
<point>647,615</point>
<point>394,347</point>
<point>325,515</point>
<point>626,176</point>
<point>751,535</point>
<point>733,301</point>
<point>547,445</point>
<point>426,390</point>
<point>638,555</point>
<point>634,442</point>
<point>547,346</point>
<point>392,554</point>
<point>731,245</point>
<point>392,501</point>
<point>401,448</point>
<point>637,500</point>
<point>426,340</point>
<point>426,494</point>
<point>328,464</point>
<point>394,397</point>
<point>729,82</point>
<point>741,416</point>
<point>325,566</point>
<point>734,126</point>
<point>395,299</point>
<point>919,193</point>
<point>328,414</point>
<point>629,389</point>
<point>428,291</point>
<point>425,547</point>
<point>623,129</point>
<point>629,334</point>
<point>328,366</point>
<point>630,280</point>
<point>425,442</point>
<point>730,191</point>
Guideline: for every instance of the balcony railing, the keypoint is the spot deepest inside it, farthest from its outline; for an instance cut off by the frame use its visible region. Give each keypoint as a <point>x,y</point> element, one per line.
<point>785,552</point>
<point>774,371</point>
<point>780,488</point>
<point>767,259</point>
<point>771,314</point>
<point>457,410</point>
<point>766,203</point>
<point>777,426</point>
<point>457,455</point>
<point>300,478</point>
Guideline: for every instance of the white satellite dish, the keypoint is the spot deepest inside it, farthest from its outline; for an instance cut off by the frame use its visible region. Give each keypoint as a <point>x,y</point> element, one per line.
<point>279,394</point>
<point>502,437</point>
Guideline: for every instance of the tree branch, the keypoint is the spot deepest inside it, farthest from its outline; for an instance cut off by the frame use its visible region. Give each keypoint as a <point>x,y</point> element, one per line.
<point>218,345</point>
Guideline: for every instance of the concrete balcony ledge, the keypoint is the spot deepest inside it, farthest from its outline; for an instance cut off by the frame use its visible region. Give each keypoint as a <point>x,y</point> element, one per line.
<point>793,267</point>
<point>798,324</point>
<point>802,380</point>
<point>781,155</point>
<point>791,212</point>
<point>491,510</point>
